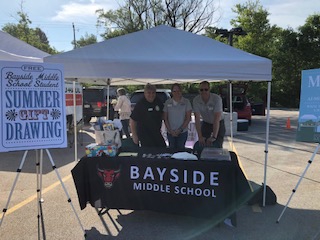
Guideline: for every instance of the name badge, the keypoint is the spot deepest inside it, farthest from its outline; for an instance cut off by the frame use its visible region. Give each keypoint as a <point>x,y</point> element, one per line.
<point>150,109</point>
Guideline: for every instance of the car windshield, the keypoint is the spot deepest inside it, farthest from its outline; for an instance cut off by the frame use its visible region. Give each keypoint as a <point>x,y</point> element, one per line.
<point>93,95</point>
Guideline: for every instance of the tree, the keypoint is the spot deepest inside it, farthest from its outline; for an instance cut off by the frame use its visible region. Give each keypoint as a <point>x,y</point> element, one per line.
<point>135,15</point>
<point>86,40</point>
<point>309,42</point>
<point>286,74</point>
<point>295,51</point>
<point>253,18</point>
<point>35,37</point>
<point>289,51</point>
<point>259,40</point>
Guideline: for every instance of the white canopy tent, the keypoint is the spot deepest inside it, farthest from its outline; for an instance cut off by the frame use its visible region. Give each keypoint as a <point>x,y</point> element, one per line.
<point>164,55</point>
<point>13,49</point>
<point>161,55</point>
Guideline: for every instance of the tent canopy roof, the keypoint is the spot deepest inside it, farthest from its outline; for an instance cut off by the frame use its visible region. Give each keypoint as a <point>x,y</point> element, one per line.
<point>13,49</point>
<point>161,55</point>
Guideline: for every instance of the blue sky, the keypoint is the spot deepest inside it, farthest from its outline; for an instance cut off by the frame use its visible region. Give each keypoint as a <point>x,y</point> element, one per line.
<point>55,17</point>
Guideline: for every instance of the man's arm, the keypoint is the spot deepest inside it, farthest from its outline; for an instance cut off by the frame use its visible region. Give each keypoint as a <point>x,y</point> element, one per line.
<point>166,122</point>
<point>215,128</point>
<point>202,140</point>
<point>216,124</point>
<point>133,127</point>
<point>187,119</point>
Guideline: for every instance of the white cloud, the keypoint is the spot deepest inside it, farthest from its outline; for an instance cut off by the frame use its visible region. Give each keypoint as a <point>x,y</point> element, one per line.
<point>79,12</point>
<point>291,13</point>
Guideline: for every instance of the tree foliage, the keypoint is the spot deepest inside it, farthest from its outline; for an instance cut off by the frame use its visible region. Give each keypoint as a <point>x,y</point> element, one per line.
<point>260,38</point>
<point>253,18</point>
<point>135,15</point>
<point>296,51</point>
<point>85,40</point>
<point>290,51</point>
<point>33,36</point>
<point>309,41</point>
<point>286,70</point>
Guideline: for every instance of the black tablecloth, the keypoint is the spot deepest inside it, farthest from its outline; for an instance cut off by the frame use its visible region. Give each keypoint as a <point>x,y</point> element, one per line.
<point>195,188</point>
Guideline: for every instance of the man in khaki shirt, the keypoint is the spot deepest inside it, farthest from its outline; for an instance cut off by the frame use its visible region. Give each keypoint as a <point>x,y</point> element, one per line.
<point>209,106</point>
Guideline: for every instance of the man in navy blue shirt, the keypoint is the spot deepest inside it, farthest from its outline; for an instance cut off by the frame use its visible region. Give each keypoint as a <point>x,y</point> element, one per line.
<point>146,120</point>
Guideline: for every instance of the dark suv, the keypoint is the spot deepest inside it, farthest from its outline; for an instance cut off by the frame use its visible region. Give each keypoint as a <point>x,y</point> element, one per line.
<point>162,94</point>
<point>95,102</point>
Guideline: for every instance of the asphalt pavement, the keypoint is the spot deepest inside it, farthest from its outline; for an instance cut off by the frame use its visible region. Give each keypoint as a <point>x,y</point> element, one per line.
<point>286,158</point>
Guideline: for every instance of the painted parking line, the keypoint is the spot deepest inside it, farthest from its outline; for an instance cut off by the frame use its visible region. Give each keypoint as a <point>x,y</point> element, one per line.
<point>34,197</point>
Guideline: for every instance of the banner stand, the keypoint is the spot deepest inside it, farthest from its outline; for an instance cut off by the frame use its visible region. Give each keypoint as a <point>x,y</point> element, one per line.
<point>296,187</point>
<point>39,161</point>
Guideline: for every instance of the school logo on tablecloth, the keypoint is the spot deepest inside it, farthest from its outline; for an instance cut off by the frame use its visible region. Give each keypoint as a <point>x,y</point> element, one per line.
<point>108,176</point>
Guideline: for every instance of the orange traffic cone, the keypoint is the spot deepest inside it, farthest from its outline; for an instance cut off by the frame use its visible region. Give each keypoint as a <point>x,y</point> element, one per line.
<point>288,125</point>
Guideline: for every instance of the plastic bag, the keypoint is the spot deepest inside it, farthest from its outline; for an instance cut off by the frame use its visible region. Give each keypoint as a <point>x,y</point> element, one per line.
<point>100,140</point>
<point>112,137</point>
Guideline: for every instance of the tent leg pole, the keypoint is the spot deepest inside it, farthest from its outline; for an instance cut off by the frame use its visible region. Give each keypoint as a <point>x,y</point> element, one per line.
<point>266,145</point>
<point>231,111</point>
<point>75,122</point>
<point>108,97</point>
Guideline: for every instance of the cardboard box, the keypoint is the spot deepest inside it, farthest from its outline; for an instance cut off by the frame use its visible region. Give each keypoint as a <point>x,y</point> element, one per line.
<point>94,150</point>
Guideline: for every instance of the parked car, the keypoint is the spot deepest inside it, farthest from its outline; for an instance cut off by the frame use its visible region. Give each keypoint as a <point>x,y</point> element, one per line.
<point>95,102</point>
<point>162,94</point>
<point>240,102</point>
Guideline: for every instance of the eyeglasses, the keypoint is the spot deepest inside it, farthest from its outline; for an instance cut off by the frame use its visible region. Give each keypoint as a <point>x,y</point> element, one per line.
<point>176,91</point>
<point>204,89</point>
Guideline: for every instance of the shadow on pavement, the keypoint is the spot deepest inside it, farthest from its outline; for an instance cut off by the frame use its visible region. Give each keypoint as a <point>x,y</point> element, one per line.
<point>251,225</point>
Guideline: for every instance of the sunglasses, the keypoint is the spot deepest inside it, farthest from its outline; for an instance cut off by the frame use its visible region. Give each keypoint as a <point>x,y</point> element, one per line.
<point>204,89</point>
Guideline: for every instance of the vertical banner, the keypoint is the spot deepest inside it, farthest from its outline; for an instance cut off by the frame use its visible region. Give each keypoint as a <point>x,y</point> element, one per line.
<point>309,112</point>
<point>32,106</point>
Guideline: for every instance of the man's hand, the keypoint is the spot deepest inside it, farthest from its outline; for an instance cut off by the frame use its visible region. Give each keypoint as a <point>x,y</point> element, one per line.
<point>210,141</point>
<point>202,141</point>
<point>176,132</point>
<point>135,139</point>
